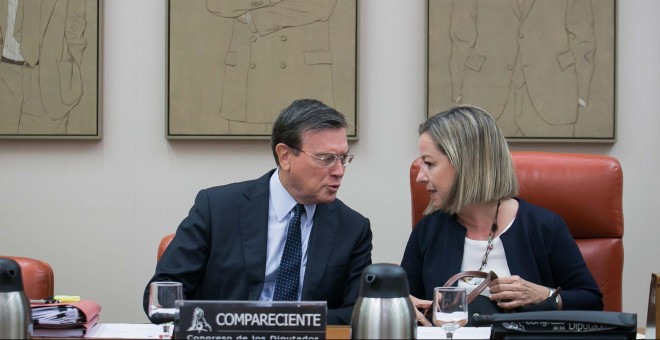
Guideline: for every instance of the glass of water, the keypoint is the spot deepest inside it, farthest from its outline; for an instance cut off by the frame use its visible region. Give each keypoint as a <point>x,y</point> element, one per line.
<point>450,309</point>
<point>162,303</point>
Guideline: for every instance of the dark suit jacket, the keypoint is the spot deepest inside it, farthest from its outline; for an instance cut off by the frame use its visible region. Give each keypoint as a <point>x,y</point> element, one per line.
<point>219,251</point>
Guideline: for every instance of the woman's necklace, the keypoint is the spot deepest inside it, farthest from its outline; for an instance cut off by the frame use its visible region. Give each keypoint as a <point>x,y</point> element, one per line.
<point>489,247</point>
<point>491,236</point>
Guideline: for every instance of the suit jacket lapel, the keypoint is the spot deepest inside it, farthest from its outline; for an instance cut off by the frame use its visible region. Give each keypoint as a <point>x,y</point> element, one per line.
<point>321,241</point>
<point>253,223</point>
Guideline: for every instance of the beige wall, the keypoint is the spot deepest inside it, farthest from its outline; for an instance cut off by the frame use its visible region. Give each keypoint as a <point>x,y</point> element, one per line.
<point>96,210</point>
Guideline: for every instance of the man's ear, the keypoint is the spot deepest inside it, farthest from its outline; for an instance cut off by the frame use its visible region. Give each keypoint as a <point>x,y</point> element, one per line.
<point>284,154</point>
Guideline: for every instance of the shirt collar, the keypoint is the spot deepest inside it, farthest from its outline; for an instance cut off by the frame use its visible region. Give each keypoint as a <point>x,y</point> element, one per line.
<point>282,201</point>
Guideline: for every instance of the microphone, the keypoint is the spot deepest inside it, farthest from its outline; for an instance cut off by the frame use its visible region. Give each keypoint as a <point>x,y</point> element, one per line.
<point>482,320</point>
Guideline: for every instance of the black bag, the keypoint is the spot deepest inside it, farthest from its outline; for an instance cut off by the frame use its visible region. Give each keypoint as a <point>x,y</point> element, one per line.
<point>481,305</point>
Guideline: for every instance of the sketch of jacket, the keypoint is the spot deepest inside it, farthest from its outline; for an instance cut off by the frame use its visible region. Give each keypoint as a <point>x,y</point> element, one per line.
<point>554,39</point>
<point>55,50</point>
<point>279,51</point>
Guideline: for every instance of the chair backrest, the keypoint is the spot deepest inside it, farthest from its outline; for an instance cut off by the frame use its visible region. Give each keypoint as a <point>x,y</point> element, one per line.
<point>163,245</point>
<point>37,275</point>
<point>586,191</point>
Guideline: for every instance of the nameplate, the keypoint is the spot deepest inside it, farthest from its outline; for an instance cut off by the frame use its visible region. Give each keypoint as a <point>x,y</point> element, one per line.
<point>251,320</point>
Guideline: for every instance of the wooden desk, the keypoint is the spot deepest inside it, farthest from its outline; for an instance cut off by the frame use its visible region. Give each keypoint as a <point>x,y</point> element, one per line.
<point>333,332</point>
<point>338,332</point>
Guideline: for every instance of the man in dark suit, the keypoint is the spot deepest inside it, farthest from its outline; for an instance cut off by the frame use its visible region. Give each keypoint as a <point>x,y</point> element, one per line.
<point>230,245</point>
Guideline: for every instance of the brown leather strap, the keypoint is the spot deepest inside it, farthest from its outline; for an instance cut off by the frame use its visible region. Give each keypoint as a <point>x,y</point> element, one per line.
<point>488,277</point>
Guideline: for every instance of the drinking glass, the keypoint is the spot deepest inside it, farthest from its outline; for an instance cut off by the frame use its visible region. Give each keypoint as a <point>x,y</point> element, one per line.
<point>162,303</point>
<point>449,309</point>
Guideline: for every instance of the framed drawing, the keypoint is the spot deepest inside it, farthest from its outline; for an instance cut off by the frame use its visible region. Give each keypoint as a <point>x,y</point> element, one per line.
<point>543,68</point>
<point>234,65</point>
<point>49,71</point>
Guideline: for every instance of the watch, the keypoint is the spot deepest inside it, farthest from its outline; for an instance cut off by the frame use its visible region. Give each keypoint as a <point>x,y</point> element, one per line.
<point>555,293</point>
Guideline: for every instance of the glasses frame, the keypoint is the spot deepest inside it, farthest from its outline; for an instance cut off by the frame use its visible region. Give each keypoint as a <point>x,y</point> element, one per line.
<point>344,159</point>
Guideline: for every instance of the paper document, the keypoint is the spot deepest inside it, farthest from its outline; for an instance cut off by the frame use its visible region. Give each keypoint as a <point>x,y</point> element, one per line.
<point>56,315</point>
<point>127,331</point>
<point>461,333</point>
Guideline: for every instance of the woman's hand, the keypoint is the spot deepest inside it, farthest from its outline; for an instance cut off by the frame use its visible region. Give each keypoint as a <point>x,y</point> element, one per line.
<point>513,291</point>
<point>421,306</point>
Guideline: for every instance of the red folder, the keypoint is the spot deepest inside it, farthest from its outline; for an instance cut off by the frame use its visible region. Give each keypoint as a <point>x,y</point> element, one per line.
<point>88,311</point>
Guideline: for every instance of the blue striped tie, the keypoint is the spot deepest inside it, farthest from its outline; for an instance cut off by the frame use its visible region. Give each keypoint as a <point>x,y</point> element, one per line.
<point>288,275</point>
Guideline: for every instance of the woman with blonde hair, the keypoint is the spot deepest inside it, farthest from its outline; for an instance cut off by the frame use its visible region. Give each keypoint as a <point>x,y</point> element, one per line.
<point>476,222</point>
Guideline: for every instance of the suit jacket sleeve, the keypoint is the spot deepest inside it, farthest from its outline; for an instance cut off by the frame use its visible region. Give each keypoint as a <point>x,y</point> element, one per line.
<point>185,258</point>
<point>579,288</point>
<point>412,263</point>
<point>542,250</point>
<point>360,259</point>
<point>433,254</point>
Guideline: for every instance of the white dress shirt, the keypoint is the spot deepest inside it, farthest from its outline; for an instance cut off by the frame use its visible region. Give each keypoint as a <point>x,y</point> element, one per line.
<point>280,211</point>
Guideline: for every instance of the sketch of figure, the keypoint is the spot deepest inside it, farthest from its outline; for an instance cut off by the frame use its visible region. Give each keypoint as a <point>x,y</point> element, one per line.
<point>279,51</point>
<point>42,47</point>
<point>528,62</point>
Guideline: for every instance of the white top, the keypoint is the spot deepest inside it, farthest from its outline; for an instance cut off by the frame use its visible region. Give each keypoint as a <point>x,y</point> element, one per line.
<point>473,253</point>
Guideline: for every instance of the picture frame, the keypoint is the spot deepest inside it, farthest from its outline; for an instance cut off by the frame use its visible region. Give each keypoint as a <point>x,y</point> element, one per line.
<point>234,65</point>
<point>51,80</point>
<point>544,69</point>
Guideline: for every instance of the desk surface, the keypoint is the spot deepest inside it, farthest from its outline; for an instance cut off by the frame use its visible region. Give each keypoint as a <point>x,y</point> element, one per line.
<point>148,331</point>
<point>344,332</point>
<point>338,332</point>
<point>137,331</point>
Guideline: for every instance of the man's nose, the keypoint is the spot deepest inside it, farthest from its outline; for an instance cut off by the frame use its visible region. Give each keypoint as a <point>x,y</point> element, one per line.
<point>337,169</point>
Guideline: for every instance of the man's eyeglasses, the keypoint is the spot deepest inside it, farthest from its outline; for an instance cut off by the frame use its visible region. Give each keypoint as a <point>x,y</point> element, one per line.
<point>329,159</point>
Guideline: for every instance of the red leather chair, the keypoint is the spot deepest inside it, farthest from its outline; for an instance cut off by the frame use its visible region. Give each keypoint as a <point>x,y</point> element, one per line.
<point>37,275</point>
<point>586,191</point>
<point>163,245</point>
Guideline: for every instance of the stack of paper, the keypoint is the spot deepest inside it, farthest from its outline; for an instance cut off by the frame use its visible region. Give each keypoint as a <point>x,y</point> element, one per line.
<point>66,319</point>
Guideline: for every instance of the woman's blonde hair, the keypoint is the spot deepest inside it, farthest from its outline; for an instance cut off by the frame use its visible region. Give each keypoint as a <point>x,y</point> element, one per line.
<point>477,149</point>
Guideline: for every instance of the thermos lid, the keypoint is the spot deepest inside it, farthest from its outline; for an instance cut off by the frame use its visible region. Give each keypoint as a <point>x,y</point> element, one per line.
<point>384,280</point>
<point>10,276</point>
